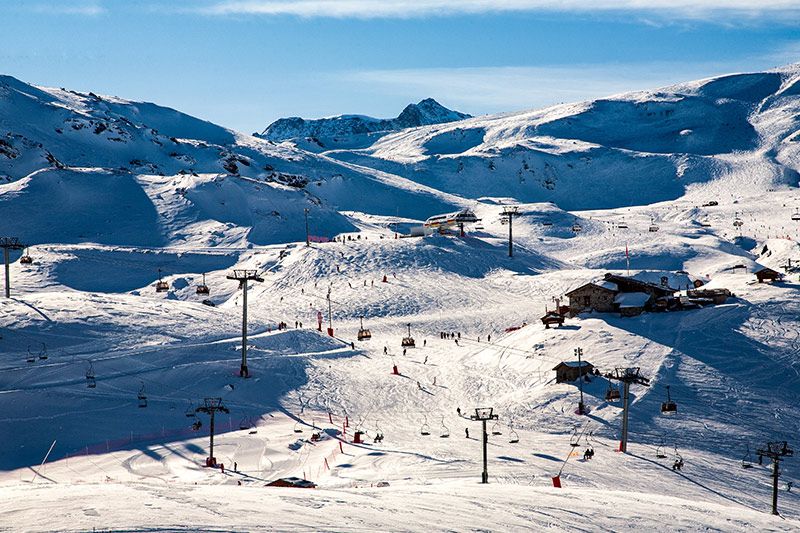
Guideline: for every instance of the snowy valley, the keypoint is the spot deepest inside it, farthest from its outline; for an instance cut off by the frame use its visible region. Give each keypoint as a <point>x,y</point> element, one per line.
<point>692,187</point>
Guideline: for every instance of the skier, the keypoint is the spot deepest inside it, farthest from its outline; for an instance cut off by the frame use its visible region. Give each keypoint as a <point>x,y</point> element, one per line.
<point>466,432</point>
<point>458,410</point>
<point>419,385</point>
<point>425,362</point>
<point>424,342</point>
<point>434,381</point>
<point>456,341</point>
<point>489,338</point>
<point>385,350</point>
<point>235,466</point>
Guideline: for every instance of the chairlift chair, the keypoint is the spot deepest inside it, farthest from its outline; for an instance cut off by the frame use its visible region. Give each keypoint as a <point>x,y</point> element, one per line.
<point>575,439</point>
<point>161,286</point>
<point>513,436</point>
<point>747,459</point>
<point>669,407</point>
<point>445,433</point>
<point>660,450</point>
<point>496,429</point>
<point>197,424</point>
<point>796,215</point>
<point>576,228</point>
<point>408,342</point>
<point>425,430</point>
<point>203,288</point>
<point>653,227</point>
<point>364,334</point>
<point>244,424</point>
<point>378,433</point>
<point>612,394</point>
<point>253,427</point>
<point>297,427</point>
<point>91,381</point>
<point>142,397</point>
<point>31,358</point>
<point>43,353</point>
<point>190,413</point>
<point>26,259</point>
<point>622,225</point>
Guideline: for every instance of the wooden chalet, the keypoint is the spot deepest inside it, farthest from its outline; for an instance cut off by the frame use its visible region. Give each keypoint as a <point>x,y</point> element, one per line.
<point>712,296</point>
<point>767,274</point>
<point>572,370</point>
<point>593,296</point>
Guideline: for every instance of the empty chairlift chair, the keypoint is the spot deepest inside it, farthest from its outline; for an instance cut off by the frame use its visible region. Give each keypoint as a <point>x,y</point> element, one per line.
<point>425,430</point>
<point>496,429</point>
<point>653,227</point>
<point>622,224</point>
<point>297,428</point>
<point>363,333</point>
<point>513,436</point>
<point>203,288</point>
<point>796,215</point>
<point>669,407</point>
<point>142,397</point>
<point>747,460</point>
<point>31,358</point>
<point>408,342</point>
<point>91,381</point>
<point>244,423</point>
<point>161,286</point>
<point>43,353</point>
<point>26,259</point>
<point>445,433</point>
<point>575,439</point>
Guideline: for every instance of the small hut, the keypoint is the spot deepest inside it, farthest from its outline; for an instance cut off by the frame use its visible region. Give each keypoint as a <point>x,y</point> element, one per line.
<point>767,274</point>
<point>294,482</point>
<point>572,370</point>
<point>552,318</point>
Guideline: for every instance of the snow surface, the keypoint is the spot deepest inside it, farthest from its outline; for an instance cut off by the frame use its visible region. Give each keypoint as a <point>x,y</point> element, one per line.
<point>99,233</point>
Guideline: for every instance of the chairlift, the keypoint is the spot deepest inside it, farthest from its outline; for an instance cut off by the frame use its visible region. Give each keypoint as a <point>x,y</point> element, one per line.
<point>408,342</point>
<point>575,439</point>
<point>496,429</point>
<point>513,436</point>
<point>161,286</point>
<point>297,427</point>
<point>445,430</point>
<point>653,227</point>
<point>796,215</point>
<point>43,353</point>
<point>660,450</point>
<point>378,433</point>
<point>244,424</point>
<point>253,427</point>
<point>203,288</point>
<point>576,228</point>
<point>364,334</point>
<point>622,225</point>
<point>197,424</point>
<point>91,381</point>
<point>425,430</point>
<point>31,358</point>
<point>737,221</point>
<point>547,223</point>
<point>26,259</point>
<point>669,407</point>
<point>142,397</point>
<point>747,459</point>
<point>190,412</point>
<point>612,393</point>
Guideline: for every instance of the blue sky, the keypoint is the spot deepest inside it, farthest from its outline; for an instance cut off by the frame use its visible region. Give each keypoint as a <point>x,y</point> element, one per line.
<point>244,63</point>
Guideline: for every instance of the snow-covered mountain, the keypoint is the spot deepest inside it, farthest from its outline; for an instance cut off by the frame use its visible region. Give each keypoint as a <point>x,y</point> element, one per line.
<point>350,131</point>
<point>695,183</point>
<point>629,149</point>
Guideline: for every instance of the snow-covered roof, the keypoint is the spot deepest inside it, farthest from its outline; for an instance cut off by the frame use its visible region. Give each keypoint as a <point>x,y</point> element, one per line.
<point>631,299</point>
<point>573,364</point>
<point>610,285</point>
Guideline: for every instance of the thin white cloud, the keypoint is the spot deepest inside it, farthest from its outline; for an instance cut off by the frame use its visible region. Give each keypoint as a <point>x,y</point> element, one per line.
<point>88,9</point>
<point>691,9</point>
<point>499,89</point>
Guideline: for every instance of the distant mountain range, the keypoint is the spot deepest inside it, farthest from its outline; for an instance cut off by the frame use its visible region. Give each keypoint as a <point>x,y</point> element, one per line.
<point>357,130</point>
